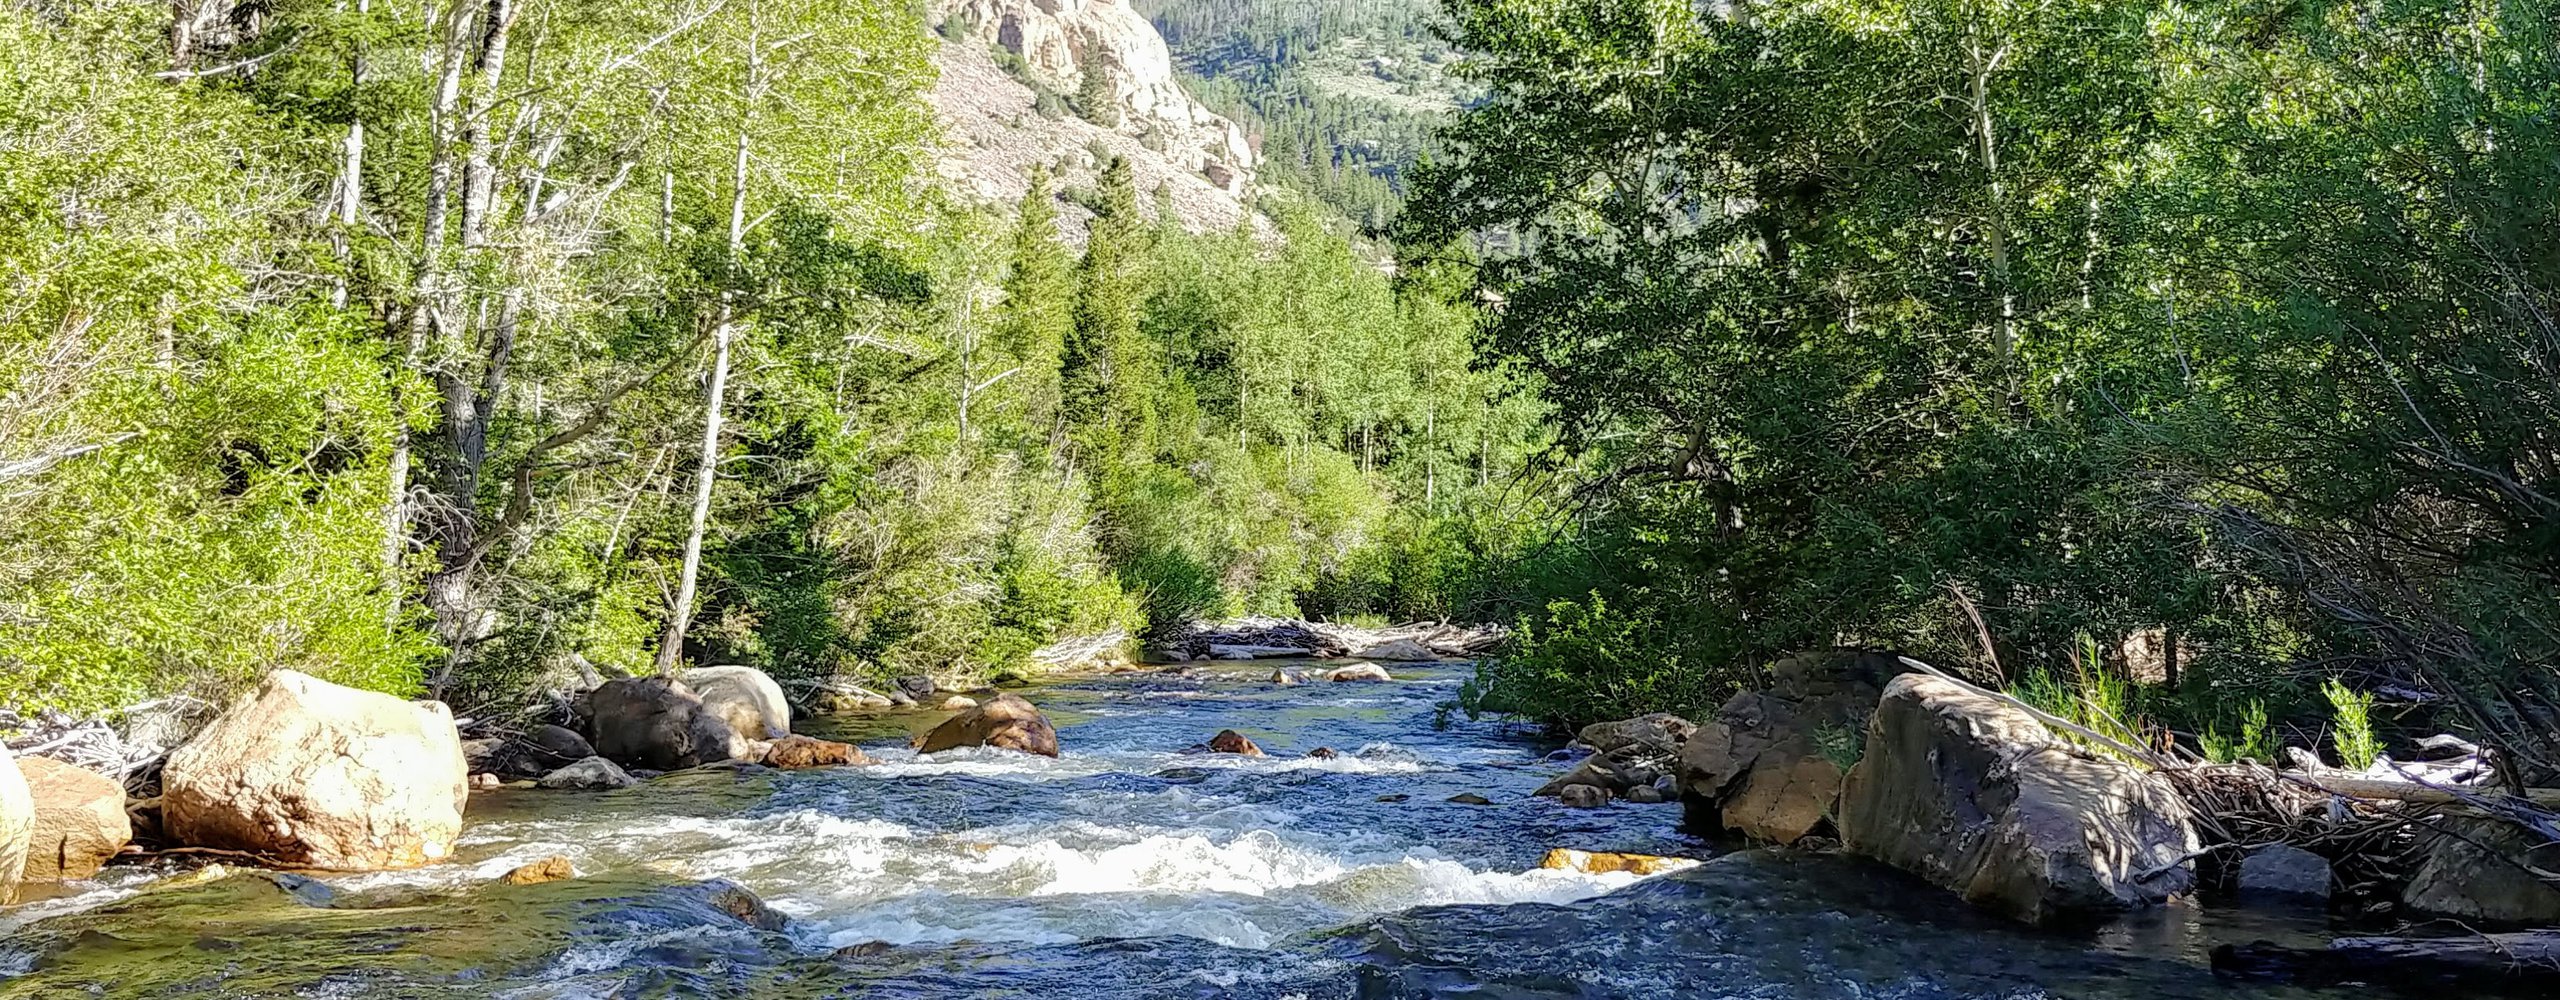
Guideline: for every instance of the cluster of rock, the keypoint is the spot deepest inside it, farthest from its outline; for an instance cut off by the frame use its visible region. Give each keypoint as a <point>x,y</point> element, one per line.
<point>1630,760</point>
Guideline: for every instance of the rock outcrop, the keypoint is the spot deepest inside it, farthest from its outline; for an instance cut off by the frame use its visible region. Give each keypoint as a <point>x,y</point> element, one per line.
<point>1004,721</point>
<point>997,129</point>
<point>1761,765</point>
<point>750,702</point>
<point>17,823</point>
<point>658,723</point>
<point>2471,871</point>
<point>317,775</point>
<point>1976,796</point>
<point>79,820</point>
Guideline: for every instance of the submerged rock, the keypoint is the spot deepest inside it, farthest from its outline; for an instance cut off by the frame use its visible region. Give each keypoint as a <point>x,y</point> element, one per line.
<point>17,824</point>
<point>1605,862</point>
<point>1370,672</point>
<point>959,703</point>
<point>745,698</point>
<point>796,752</point>
<point>1230,741</point>
<point>1004,721</point>
<point>79,820</point>
<point>594,774</point>
<point>2284,871</point>
<point>1976,796</point>
<point>1583,796</point>
<point>1470,799</point>
<point>659,723</point>
<point>321,776</point>
<point>1644,795</point>
<point>555,868</point>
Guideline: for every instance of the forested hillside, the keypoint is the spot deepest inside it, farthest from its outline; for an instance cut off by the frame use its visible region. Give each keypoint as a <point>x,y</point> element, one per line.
<point>2209,346</point>
<point>418,346</point>
<point>1346,96</point>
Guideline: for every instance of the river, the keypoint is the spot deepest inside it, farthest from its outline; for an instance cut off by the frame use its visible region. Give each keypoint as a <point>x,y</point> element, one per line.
<point>1125,869</point>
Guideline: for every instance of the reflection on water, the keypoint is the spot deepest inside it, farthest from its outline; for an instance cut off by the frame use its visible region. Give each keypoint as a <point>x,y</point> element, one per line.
<point>1124,869</point>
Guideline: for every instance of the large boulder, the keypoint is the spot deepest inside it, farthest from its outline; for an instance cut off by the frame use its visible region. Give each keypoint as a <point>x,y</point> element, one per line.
<point>1769,764</point>
<point>743,697</point>
<point>1975,795</point>
<point>659,723</point>
<point>79,820</point>
<point>2476,868</point>
<point>17,823</point>
<point>321,776</point>
<point>1004,721</point>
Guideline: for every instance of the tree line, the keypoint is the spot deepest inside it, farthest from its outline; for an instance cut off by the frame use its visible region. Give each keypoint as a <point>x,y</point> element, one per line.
<point>2002,333</point>
<point>417,346</point>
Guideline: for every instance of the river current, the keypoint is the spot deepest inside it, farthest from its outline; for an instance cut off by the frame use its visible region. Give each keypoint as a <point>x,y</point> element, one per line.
<point>1124,869</point>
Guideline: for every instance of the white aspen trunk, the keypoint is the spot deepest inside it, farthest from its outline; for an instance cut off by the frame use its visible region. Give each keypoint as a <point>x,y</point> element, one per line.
<point>429,282</point>
<point>680,620</point>
<point>1982,66</point>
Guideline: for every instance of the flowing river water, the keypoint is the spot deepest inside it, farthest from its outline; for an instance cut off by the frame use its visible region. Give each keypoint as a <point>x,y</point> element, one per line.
<point>1125,869</point>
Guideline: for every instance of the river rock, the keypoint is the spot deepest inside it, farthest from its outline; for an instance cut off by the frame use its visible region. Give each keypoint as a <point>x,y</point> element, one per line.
<point>594,774</point>
<point>838,696</point>
<point>1004,721</point>
<point>1976,796</point>
<point>1358,672</point>
<point>2283,871</point>
<point>1644,795</point>
<point>79,820</point>
<point>2471,871</point>
<point>1470,799</point>
<point>917,688</point>
<point>798,752</point>
<point>1398,651</point>
<point>559,745</point>
<point>1583,796</point>
<point>745,698</point>
<point>2523,964</point>
<point>659,723</point>
<point>1661,732</point>
<point>17,825</point>
<point>1324,753</point>
<point>1761,765</point>
<point>1230,741</point>
<point>1283,678</point>
<point>1221,651</point>
<point>555,868</point>
<point>959,703</point>
<point>1606,862</point>
<point>321,776</point>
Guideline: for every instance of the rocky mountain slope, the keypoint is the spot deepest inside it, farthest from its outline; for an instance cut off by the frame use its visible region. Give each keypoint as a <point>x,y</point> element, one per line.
<point>1007,67</point>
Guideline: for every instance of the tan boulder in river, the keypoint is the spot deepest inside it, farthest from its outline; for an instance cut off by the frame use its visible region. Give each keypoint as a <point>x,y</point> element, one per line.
<point>17,821</point>
<point>80,820</point>
<point>321,776</point>
<point>1004,721</point>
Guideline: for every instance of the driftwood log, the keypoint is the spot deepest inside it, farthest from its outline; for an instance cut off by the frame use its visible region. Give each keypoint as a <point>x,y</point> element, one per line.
<point>1328,639</point>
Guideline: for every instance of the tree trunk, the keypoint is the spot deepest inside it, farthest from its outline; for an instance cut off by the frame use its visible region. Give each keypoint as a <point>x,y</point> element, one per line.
<point>671,651</point>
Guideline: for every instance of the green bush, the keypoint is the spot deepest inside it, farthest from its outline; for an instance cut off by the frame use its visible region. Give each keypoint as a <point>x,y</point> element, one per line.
<point>1586,661</point>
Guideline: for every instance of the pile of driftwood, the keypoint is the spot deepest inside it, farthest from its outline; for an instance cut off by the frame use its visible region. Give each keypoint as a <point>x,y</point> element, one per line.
<point>131,756</point>
<point>1260,637</point>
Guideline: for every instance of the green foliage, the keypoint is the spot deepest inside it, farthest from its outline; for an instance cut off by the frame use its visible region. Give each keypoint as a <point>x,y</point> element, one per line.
<point>1585,661</point>
<point>2256,742</point>
<point>1841,745</point>
<point>2351,725</point>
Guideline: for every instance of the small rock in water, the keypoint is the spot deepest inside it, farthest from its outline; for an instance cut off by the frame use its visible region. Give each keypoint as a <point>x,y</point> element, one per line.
<point>1370,672</point>
<point>484,781</point>
<point>866,949</point>
<point>1398,797</point>
<point>1605,862</point>
<point>1470,799</point>
<point>1283,678</point>
<point>958,703</point>
<point>1583,796</point>
<point>2284,871</point>
<point>594,774</point>
<point>1644,795</point>
<point>1184,775</point>
<point>916,687</point>
<point>735,900</point>
<point>1323,753</point>
<point>794,752</point>
<point>1230,741</point>
<point>555,868</point>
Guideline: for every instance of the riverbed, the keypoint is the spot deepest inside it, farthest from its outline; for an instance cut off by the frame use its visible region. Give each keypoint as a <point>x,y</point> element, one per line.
<point>1124,869</point>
